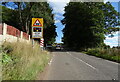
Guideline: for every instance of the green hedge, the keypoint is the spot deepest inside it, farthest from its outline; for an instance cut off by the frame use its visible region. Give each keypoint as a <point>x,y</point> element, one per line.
<point>110,54</point>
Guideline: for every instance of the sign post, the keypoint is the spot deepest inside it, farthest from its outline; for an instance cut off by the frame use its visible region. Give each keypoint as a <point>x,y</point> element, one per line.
<point>37,29</point>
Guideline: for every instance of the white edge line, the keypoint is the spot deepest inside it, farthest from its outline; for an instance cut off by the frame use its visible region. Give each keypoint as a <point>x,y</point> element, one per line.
<point>51,61</point>
<point>111,62</point>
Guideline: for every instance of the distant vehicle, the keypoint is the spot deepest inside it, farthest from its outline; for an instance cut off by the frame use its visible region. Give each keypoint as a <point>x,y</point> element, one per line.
<point>48,45</point>
<point>58,47</point>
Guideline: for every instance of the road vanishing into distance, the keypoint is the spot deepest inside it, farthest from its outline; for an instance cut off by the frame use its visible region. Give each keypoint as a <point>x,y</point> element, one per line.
<point>66,65</point>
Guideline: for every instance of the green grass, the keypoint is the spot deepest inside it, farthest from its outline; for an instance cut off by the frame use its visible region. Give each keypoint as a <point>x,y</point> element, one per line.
<point>22,62</point>
<point>109,54</point>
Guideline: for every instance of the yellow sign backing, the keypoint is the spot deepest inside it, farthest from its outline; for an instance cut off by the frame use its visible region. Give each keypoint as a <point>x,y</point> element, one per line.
<point>37,22</point>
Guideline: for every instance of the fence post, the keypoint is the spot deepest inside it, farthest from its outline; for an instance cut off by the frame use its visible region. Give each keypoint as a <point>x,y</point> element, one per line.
<point>4,29</point>
<point>29,37</point>
<point>21,35</point>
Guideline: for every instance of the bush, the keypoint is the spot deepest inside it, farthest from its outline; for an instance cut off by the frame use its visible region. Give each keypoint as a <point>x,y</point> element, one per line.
<point>110,54</point>
<point>22,62</point>
<point>93,51</point>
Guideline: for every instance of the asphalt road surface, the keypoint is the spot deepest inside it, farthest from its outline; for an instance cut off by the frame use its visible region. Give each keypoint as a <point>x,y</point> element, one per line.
<point>79,66</point>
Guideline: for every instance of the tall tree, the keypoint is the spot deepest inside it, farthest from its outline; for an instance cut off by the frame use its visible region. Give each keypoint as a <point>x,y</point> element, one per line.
<point>24,12</point>
<point>10,18</point>
<point>86,24</point>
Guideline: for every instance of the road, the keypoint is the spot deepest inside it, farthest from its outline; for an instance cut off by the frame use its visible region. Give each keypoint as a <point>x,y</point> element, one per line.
<point>78,66</point>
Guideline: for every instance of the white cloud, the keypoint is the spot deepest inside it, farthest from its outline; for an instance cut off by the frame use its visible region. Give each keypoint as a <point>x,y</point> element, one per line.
<point>115,38</point>
<point>58,5</point>
<point>57,21</point>
<point>58,0</point>
<point>111,1</point>
<point>58,10</point>
<point>112,41</point>
<point>105,1</point>
<point>58,16</point>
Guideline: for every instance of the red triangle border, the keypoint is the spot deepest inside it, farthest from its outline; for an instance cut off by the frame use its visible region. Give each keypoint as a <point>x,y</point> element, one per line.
<point>37,25</point>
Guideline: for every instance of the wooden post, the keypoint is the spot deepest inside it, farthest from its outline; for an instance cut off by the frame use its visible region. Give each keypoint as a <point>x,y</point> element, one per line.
<point>21,35</point>
<point>4,29</point>
<point>29,37</point>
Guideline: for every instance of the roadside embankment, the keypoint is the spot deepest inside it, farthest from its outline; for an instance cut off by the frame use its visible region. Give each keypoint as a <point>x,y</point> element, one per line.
<point>109,54</point>
<point>20,61</point>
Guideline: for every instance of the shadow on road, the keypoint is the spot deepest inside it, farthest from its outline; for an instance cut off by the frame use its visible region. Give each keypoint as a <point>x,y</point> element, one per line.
<point>61,50</point>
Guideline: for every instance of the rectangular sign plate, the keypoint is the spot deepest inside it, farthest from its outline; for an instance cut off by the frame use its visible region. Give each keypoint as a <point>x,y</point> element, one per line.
<point>37,32</point>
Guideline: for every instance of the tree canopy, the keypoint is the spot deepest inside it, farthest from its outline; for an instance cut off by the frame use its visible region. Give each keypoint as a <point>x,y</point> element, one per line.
<point>21,14</point>
<point>87,23</point>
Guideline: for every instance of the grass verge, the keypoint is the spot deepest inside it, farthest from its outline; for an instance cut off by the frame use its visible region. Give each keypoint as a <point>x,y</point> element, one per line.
<point>22,62</point>
<point>109,54</point>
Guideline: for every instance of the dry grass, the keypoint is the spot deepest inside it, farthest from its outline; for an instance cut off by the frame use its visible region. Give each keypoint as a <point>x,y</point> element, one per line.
<point>25,62</point>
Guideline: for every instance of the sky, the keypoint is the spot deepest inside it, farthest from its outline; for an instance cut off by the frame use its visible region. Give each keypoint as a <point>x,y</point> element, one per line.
<point>58,10</point>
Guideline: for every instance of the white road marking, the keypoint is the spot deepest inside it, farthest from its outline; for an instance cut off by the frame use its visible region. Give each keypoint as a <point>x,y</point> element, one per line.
<point>111,62</point>
<point>86,63</point>
<point>83,61</point>
<point>67,52</point>
<point>50,62</point>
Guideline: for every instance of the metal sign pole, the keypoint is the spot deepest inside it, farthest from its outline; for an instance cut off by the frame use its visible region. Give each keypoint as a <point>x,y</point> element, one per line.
<point>32,38</point>
<point>33,43</point>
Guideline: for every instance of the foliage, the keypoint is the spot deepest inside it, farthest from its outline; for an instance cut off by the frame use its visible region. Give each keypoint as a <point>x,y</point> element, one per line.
<point>6,58</point>
<point>23,12</point>
<point>9,18</point>
<point>110,54</point>
<point>23,62</point>
<point>87,23</point>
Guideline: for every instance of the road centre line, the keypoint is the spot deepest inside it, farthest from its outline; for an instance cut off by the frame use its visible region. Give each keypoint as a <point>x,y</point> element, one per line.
<point>83,61</point>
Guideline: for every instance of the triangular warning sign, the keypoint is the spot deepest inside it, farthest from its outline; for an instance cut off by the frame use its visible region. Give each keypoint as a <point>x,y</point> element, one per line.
<point>37,23</point>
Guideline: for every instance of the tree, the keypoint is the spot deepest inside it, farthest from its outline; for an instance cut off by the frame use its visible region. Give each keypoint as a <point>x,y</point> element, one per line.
<point>10,18</point>
<point>24,12</point>
<point>86,24</point>
<point>110,18</point>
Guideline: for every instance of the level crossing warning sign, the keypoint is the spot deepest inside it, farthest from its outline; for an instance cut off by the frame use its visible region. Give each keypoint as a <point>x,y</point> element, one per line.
<point>37,22</point>
<point>37,27</point>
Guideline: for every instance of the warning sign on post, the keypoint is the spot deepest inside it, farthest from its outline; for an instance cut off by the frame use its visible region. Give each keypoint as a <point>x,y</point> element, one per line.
<point>37,22</point>
<point>37,27</point>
